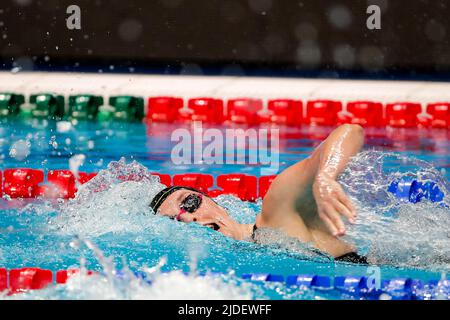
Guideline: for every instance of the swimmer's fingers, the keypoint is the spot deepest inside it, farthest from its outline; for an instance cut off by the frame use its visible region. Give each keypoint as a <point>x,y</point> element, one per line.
<point>342,197</point>
<point>335,218</point>
<point>217,221</point>
<point>328,223</point>
<point>221,223</point>
<point>344,210</point>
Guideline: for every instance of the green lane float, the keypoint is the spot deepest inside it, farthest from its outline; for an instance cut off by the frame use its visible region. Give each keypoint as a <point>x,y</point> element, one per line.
<point>84,107</point>
<point>122,108</point>
<point>10,104</point>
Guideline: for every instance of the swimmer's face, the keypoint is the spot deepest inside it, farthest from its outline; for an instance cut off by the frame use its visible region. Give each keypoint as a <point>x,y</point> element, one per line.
<point>190,206</point>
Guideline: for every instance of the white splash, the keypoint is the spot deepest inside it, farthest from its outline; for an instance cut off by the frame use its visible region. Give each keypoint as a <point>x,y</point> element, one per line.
<point>116,199</point>
<point>401,234</point>
<point>75,162</point>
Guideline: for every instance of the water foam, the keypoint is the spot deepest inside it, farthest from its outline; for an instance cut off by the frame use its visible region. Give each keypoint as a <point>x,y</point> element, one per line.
<point>116,199</point>
<point>390,232</point>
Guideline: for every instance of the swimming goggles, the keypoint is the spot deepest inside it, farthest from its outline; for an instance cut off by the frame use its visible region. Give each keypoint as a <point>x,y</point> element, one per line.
<point>189,204</point>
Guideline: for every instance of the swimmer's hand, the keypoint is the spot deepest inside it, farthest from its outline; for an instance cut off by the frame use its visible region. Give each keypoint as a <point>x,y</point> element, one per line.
<point>332,203</point>
<point>226,226</point>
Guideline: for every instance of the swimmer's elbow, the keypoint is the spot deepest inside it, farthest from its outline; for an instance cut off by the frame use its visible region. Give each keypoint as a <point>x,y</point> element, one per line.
<point>358,129</point>
<point>354,130</point>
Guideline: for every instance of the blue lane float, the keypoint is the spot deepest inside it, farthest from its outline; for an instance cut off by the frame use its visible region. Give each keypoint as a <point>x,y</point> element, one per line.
<point>350,283</point>
<point>310,281</point>
<point>414,191</point>
<point>359,287</point>
<point>263,277</point>
<point>354,287</point>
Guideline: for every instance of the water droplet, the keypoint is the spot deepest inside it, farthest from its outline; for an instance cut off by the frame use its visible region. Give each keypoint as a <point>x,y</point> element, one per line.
<point>16,70</point>
<point>385,296</point>
<point>63,126</point>
<point>20,150</point>
<point>75,162</point>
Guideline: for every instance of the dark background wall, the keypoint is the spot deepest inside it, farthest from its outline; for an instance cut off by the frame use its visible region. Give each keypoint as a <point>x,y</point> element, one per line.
<point>322,37</point>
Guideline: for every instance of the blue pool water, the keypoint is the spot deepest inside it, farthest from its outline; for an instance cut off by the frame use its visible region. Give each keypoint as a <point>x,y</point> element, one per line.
<point>404,240</point>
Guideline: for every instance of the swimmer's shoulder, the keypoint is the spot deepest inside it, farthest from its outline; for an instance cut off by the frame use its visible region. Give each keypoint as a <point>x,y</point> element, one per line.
<point>290,187</point>
<point>289,202</point>
<point>278,214</point>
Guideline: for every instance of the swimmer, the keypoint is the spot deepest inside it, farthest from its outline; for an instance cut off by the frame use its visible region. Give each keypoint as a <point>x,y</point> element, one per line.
<point>305,201</point>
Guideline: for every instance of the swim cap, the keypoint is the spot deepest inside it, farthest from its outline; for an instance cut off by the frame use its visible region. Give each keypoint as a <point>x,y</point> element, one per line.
<point>155,188</point>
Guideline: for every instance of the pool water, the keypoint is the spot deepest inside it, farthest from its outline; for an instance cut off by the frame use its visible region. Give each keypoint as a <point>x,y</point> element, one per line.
<point>113,229</point>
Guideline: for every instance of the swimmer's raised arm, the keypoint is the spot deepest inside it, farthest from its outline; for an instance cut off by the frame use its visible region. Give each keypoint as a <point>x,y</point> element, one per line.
<point>335,152</point>
<point>328,161</point>
<point>309,189</point>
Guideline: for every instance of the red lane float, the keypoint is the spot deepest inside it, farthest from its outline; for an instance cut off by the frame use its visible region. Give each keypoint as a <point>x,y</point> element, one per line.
<point>3,279</point>
<point>204,109</point>
<point>366,113</point>
<point>62,183</point>
<point>264,185</point>
<point>22,183</point>
<point>403,114</point>
<point>287,112</point>
<point>322,112</point>
<point>290,112</point>
<point>164,109</point>
<point>440,115</point>
<point>24,279</point>
<point>244,110</point>
<point>201,182</point>
<point>239,185</point>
